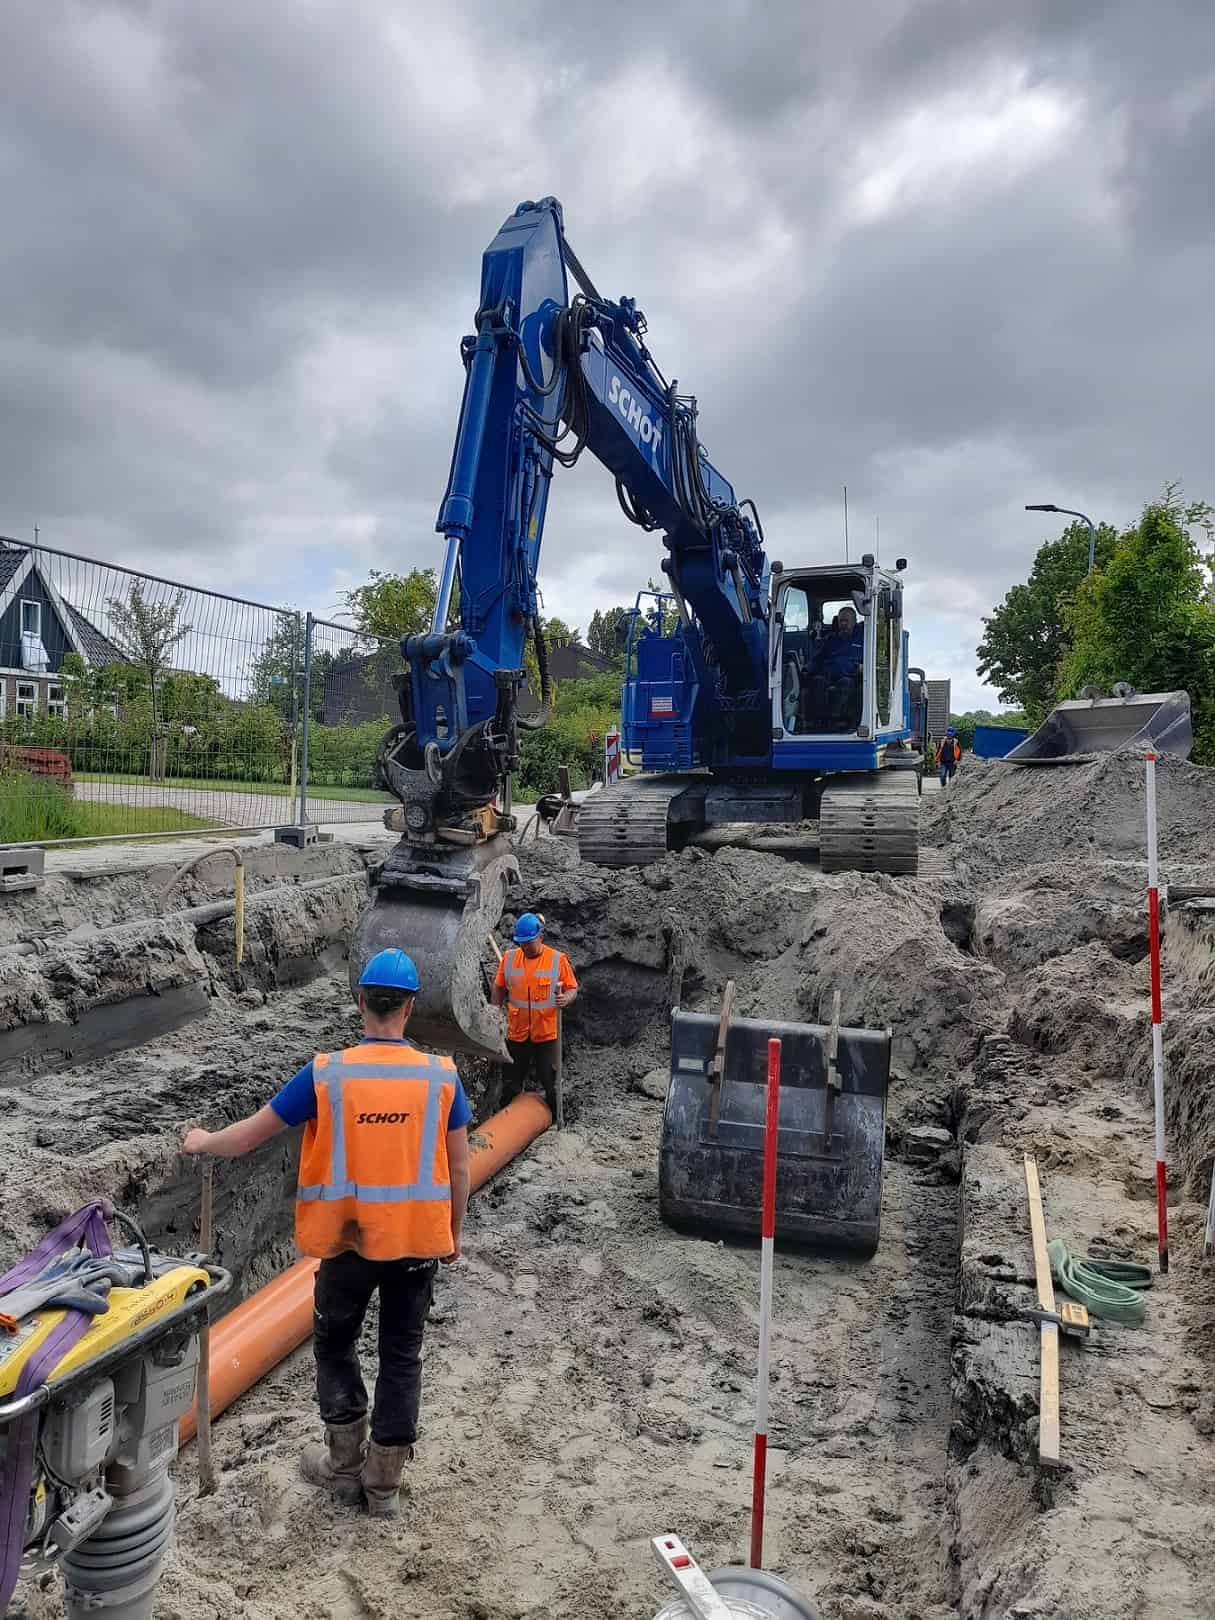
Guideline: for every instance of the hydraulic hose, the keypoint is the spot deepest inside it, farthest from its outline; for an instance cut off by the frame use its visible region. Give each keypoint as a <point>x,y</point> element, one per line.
<point>537,721</point>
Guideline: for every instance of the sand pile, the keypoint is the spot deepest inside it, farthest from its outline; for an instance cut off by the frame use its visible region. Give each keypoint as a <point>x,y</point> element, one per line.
<point>999,817</point>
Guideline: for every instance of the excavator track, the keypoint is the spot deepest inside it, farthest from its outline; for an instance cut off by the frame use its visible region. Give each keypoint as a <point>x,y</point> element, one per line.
<point>870,824</point>
<point>627,824</point>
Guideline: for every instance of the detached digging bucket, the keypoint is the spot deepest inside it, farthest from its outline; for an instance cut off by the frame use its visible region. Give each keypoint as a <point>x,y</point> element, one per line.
<point>1086,726</point>
<point>832,1131</point>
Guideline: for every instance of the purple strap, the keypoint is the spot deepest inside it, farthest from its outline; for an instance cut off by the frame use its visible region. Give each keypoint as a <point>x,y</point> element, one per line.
<point>87,1224</point>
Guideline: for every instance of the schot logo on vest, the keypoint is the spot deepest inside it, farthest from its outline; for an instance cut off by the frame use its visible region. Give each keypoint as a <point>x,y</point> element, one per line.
<point>381,1119</point>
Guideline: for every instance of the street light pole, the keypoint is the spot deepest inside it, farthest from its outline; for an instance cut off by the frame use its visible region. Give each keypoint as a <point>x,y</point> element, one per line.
<point>1084,518</point>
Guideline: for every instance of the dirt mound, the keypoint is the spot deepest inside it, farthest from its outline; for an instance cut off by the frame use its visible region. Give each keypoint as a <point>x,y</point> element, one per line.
<point>998,817</point>
<point>674,932</point>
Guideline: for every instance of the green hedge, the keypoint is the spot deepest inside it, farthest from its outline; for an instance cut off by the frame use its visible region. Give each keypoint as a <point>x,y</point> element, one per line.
<point>206,737</point>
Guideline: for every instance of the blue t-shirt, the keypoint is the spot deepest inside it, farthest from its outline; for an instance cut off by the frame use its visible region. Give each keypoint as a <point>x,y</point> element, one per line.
<point>295,1104</point>
<point>838,655</point>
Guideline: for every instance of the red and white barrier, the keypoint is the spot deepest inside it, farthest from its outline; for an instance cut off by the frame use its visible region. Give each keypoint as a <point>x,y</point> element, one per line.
<point>1162,1208</point>
<point>760,1460</point>
<point>611,758</point>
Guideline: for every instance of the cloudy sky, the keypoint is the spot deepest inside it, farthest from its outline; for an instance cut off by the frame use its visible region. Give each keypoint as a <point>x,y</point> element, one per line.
<point>959,256</point>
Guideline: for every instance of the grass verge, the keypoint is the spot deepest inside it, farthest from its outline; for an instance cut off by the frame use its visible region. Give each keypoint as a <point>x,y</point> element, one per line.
<point>35,811</point>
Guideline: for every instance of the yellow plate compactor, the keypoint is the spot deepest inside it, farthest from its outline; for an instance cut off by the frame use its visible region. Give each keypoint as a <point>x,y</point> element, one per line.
<point>98,1357</point>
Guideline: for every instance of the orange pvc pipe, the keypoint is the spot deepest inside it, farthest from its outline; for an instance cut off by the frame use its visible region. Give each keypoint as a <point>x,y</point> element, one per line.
<point>276,1320</point>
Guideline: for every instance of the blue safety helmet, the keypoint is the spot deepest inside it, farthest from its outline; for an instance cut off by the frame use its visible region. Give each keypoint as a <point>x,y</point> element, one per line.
<point>529,926</point>
<point>391,970</point>
<point>950,731</point>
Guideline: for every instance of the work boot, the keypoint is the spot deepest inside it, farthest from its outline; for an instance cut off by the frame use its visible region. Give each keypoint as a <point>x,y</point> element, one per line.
<point>338,1460</point>
<point>382,1478</point>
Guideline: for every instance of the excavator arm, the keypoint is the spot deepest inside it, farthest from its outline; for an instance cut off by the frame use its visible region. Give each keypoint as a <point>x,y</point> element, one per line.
<point>547,377</point>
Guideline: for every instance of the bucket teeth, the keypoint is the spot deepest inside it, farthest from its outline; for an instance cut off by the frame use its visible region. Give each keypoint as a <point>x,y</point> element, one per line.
<point>441,908</point>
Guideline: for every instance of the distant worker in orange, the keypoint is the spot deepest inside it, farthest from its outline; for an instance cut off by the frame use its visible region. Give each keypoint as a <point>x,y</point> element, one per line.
<point>949,752</point>
<point>383,1188</point>
<point>533,982</point>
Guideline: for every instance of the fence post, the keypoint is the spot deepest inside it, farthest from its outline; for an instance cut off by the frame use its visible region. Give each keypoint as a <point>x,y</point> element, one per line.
<point>308,623</point>
<point>295,708</point>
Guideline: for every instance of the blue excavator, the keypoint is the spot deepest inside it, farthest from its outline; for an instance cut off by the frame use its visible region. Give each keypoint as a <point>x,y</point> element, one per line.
<point>755,691</point>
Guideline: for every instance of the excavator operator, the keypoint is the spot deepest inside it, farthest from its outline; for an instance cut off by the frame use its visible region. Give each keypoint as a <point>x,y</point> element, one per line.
<point>834,688</point>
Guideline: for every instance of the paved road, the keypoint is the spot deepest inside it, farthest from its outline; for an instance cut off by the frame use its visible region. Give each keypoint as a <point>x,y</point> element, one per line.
<point>225,807</point>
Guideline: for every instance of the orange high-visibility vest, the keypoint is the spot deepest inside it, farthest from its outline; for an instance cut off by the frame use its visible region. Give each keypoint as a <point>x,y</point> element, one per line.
<point>531,995</point>
<point>373,1171</point>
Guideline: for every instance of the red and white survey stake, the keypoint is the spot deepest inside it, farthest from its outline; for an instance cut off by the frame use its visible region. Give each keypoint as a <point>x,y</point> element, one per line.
<point>1162,1208</point>
<point>760,1460</point>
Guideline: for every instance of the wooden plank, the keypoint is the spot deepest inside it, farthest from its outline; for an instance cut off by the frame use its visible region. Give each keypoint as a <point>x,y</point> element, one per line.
<point>1048,1332</point>
<point>717,1065</point>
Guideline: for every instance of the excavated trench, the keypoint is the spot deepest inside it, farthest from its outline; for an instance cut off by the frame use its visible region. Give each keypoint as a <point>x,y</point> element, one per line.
<point>589,1373</point>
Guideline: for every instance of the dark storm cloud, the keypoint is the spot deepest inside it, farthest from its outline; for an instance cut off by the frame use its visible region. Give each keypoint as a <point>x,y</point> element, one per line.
<point>958,255</point>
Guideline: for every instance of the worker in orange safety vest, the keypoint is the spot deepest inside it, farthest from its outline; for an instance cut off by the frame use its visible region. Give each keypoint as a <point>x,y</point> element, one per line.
<point>383,1188</point>
<point>949,752</point>
<point>534,981</point>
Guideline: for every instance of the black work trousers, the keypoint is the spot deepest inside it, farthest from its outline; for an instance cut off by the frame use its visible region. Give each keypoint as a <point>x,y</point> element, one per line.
<point>528,1059</point>
<point>344,1286</point>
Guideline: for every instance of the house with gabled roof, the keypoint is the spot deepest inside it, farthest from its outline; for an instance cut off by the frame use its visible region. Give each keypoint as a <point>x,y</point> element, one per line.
<point>38,629</point>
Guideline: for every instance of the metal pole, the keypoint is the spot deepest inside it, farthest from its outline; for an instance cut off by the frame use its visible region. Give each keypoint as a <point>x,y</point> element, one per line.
<point>451,558</point>
<point>1067,511</point>
<point>295,706</point>
<point>760,1458</point>
<point>308,623</point>
<point>1162,1207</point>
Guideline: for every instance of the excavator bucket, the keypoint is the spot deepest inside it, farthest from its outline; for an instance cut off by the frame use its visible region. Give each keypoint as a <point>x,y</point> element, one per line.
<point>1086,726</point>
<point>832,1130</point>
<point>441,906</point>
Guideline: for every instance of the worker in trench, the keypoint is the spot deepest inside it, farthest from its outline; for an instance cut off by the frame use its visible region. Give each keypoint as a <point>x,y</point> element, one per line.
<point>383,1190</point>
<point>534,982</point>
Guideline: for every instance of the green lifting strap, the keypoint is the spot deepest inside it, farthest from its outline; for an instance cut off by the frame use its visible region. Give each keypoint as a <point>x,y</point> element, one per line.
<point>1109,1288</point>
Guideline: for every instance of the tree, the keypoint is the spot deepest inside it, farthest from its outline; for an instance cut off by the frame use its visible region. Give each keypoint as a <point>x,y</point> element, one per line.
<point>559,634</point>
<point>1028,637</point>
<point>145,633</point>
<point>604,632</point>
<point>277,672</point>
<point>1146,617</point>
<point>396,605</point>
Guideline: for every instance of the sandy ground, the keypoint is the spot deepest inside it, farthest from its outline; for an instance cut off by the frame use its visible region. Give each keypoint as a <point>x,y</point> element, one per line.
<point>589,1373</point>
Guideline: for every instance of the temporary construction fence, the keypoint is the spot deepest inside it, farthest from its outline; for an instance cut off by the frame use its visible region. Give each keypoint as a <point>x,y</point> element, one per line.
<point>136,706</point>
